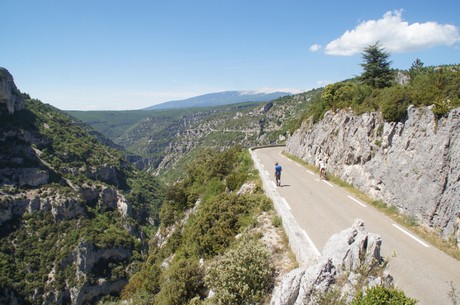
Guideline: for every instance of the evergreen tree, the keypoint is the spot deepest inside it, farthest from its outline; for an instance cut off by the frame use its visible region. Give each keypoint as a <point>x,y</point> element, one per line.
<point>377,72</point>
<point>415,68</point>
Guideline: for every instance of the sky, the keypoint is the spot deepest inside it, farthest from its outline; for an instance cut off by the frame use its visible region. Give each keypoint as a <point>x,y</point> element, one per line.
<point>126,55</point>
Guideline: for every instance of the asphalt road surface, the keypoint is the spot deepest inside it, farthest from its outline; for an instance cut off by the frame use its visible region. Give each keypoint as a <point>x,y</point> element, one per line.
<point>322,209</point>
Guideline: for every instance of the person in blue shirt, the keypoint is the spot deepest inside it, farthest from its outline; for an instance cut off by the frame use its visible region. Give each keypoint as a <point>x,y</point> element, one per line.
<point>278,170</point>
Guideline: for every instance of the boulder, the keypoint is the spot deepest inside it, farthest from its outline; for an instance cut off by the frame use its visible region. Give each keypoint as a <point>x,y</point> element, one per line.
<point>345,256</point>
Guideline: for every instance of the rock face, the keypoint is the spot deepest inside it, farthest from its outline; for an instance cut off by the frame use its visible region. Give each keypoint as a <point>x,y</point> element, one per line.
<point>345,256</point>
<point>10,96</point>
<point>412,165</point>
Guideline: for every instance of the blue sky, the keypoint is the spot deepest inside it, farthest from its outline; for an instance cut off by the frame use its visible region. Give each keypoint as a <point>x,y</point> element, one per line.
<point>121,55</point>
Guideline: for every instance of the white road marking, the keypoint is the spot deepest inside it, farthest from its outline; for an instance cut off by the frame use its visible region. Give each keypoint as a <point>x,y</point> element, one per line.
<point>357,201</point>
<point>311,242</point>
<point>310,172</point>
<point>411,236</point>
<point>298,165</point>
<point>328,183</point>
<point>286,203</point>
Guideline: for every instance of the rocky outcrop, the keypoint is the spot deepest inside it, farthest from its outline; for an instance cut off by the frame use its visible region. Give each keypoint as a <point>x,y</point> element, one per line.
<point>412,165</point>
<point>111,199</point>
<point>10,97</point>
<point>62,206</point>
<point>90,262</point>
<point>347,258</point>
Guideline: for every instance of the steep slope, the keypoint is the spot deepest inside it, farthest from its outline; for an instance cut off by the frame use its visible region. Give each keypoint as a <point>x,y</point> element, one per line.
<point>74,217</point>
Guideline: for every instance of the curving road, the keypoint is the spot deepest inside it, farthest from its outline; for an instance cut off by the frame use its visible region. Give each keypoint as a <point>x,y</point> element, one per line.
<point>322,209</point>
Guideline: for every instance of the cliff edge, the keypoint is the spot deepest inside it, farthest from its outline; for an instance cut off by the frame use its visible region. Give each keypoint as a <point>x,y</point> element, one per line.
<point>10,96</point>
<point>412,165</point>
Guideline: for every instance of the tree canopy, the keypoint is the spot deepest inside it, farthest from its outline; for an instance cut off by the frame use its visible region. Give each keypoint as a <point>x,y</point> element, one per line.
<point>377,72</point>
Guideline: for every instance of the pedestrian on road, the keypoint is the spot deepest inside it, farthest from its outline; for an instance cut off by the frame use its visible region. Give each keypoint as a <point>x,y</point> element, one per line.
<point>278,170</point>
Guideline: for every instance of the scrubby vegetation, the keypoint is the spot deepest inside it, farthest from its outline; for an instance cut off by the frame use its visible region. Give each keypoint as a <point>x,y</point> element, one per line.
<point>173,273</point>
<point>39,246</point>
<point>391,91</point>
<point>382,295</point>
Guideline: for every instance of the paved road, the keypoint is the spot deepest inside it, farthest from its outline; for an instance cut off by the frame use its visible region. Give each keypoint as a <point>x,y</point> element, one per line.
<point>323,209</point>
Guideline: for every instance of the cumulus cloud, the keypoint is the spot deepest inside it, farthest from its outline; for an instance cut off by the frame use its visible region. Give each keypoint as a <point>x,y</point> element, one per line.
<point>394,34</point>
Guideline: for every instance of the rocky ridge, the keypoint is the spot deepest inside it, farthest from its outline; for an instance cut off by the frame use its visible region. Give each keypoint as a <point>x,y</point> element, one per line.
<point>412,165</point>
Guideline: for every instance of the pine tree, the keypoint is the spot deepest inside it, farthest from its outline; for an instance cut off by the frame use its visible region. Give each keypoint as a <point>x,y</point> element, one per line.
<point>416,68</point>
<point>377,72</point>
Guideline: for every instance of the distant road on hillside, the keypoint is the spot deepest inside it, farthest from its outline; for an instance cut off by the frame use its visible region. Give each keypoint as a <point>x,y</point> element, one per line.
<point>323,209</point>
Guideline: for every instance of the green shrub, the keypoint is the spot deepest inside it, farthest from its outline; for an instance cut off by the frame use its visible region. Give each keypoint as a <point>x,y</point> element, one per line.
<point>380,295</point>
<point>182,281</point>
<point>394,102</point>
<point>243,275</point>
<point>217,223</point>
<point>235,180</point>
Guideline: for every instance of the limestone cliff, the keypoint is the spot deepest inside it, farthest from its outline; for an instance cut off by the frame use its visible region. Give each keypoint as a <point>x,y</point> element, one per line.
<point>10,96</point>
<point>412,165</point>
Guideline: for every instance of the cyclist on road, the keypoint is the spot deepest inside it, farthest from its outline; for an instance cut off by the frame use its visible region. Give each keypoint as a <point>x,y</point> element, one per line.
<point>278,170</point>
<point>322,169</point>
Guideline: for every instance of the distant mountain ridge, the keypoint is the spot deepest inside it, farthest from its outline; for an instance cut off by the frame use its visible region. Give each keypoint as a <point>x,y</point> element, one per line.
<point>221,98</point>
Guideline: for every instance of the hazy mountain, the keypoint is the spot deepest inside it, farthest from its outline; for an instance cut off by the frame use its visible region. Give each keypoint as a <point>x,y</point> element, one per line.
<point>221,98</point>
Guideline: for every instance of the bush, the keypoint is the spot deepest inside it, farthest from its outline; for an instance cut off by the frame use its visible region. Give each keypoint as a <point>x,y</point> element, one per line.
<point>394,102</point>
<point>243,275</point>
<point>217,223</point>
<point>380,295</point>
<point>180,282</point>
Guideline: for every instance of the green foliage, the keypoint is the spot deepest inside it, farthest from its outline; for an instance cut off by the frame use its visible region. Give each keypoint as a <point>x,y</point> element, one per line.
<point>416,68</point>
<point>394,102</point>
<point>217,223</point>
<point>28,255</point>
<point>35,244</point>
<point>209,231</point>
<point>438,86</point>
<point>111,123</point>
<point>242,275</point>
<point>379,295</point>
<point>182,281</point>
<point>176,201</point>
<point>377,72</point>
<point>146,197</point>
<point>69,146</point>
<point>211,165</point>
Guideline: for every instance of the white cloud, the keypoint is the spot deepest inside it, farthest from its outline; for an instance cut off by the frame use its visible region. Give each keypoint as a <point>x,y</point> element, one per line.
<point>315,48</point>
<point>394,34</point>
